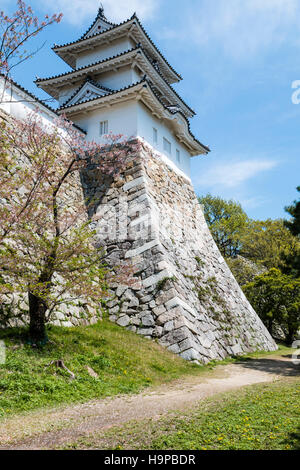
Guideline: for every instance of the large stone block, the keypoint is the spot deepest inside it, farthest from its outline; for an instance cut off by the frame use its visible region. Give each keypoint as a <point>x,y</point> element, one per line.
<point>186,295</point>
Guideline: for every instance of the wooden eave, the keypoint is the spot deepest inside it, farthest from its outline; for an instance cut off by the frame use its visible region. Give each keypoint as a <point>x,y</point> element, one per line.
<point>131,28</point>
<point>134,57</point>
<point>142,91</point>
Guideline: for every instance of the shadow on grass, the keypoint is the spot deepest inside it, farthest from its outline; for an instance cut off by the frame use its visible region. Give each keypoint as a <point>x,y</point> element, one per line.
<point>284,368</point>
<point>293,440</point>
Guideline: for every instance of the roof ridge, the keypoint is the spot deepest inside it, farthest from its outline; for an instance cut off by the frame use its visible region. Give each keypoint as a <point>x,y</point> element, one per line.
<point>181,113</point>
<point>167,83</point>
<point>154,45</point>
<point>111,93</point>
<point>138,47</point>
<point>87,66</point>
<point>133,17</point>
<point>116,25</point>
<point>101,15</point>
<point>92,82</point>
<point>103,87</point>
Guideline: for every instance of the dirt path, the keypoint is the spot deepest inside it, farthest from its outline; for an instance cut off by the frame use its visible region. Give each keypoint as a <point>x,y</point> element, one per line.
<point>48,429</point>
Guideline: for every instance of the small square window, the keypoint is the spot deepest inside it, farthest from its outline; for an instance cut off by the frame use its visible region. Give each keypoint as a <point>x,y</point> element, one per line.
<point>167,146</point>
<point>155,136</point>
<point>178,156</point>
<point>103,128</point>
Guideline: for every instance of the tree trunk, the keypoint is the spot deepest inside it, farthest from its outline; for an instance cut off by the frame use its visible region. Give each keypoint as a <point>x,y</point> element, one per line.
<point>290,335</point>
<point>37,314</point>
<point>270,326</point>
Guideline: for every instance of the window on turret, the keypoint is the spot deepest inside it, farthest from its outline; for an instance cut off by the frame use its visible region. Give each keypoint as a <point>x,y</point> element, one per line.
<point>103,127</point>
<point>167,146</point>
<point>155,136</point>
<point>178,156</point>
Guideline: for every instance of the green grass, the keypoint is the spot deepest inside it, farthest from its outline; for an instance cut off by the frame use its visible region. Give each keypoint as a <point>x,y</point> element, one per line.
<point>124,362</point>
<point>260,417</point>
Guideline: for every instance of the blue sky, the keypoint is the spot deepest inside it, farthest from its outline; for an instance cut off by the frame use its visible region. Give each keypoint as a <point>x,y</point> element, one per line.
<point>238,59</point>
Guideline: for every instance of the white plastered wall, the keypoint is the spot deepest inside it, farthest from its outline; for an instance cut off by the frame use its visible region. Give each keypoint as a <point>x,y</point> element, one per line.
<point>103,52</point>
<point>115,80</point>
<point>18,104</point>
<point>132,119</point>
<point>122,119</point>
<point>146,123</point>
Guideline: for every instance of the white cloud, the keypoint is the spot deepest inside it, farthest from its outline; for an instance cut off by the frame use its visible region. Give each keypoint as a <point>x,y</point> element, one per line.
<point>233,174</point>
<point>254,202</point>
<point>241,28</point>
<point>78,12</point>
<point>120,10</point>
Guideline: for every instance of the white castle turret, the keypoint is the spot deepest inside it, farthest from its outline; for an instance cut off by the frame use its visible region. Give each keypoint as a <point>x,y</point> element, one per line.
<point>185,295</point>
<point>121,83</point>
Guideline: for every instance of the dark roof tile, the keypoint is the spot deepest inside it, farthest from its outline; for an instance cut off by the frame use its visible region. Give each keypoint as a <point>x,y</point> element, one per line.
<point>113,92</point>
<point>99,15</point>
<point>139,47</point>
<point>146,82</point>
<point>92,82</point>
<point>134,17</point>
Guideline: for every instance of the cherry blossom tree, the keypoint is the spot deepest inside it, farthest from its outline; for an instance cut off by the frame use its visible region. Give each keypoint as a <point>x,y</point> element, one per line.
<point>46,243</point>
<point>17,30</point>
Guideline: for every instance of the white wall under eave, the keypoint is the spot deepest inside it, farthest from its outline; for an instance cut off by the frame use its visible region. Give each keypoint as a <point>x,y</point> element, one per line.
<point>103,52</point>
<point>122,119</point>
<point>132,119</point>
<point>19,105</point>
<point>123,77</point>
<point>115,80</point>
<point>146,123</point>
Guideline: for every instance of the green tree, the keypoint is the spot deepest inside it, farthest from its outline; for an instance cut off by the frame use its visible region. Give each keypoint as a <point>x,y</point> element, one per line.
<point>244,270</point>
<point>266,241</point>
<point>276,299</point>
<point>46,243</point>
<point>261,241</point>
<point>291,261</point>
<point>294,224</point>
<point>227,222</point>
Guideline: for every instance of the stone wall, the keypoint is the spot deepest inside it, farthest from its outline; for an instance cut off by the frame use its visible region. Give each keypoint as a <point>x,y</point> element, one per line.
<point>185,295</point>
<point>14,312</point>
<point>69,311</point>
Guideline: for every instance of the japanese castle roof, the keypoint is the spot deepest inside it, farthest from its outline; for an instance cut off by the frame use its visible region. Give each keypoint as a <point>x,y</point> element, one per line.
<point>147,94</point>
<point>68,51</point>
<point>139,55</point>
<point>100,16</point>
<point>90,87</point>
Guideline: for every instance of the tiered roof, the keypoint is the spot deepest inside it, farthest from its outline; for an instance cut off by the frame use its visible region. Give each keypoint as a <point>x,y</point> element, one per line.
<point>154,90</point>
<point>139,55</point>
<point>132,26</point>
<point>144,91</point>
<point>101,21</point>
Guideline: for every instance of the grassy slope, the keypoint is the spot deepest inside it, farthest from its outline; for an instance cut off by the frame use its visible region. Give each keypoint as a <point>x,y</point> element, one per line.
<point>260,417</point>
<point>125,363</point>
